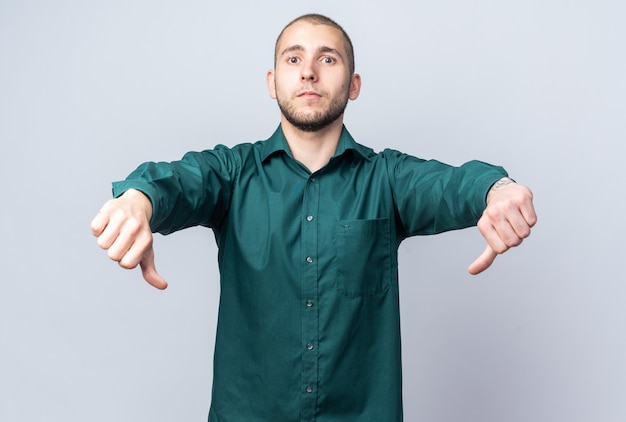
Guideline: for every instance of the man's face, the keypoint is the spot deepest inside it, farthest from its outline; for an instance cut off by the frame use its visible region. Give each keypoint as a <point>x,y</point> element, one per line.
<point>312,81</point>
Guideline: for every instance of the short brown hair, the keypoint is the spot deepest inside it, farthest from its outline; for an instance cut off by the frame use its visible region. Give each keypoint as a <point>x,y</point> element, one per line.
<point>317,19</point>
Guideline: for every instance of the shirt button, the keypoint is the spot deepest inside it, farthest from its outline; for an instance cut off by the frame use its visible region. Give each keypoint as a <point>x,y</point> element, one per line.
<point>309,259</point>
<point>309,346</point>
<point>309,218</point>
<point>309,389</point>
<point>309,303</point>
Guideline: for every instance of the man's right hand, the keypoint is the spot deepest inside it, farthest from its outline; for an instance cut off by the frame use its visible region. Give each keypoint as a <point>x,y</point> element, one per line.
<point>122,227</point>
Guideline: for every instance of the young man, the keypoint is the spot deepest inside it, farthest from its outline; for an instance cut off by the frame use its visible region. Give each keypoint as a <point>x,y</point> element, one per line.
<point>308,225</point>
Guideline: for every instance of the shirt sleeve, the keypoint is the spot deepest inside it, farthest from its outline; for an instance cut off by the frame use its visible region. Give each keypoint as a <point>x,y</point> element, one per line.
<point>193,191</point>
<point>432,197</point>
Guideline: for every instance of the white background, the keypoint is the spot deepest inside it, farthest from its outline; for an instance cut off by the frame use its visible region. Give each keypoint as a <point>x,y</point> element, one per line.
<point>90,89</point>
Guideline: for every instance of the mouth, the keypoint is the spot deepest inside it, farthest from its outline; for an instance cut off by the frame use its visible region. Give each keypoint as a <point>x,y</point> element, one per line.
<point>309,95</point>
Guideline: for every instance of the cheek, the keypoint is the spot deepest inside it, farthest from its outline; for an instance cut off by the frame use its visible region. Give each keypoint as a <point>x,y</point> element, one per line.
<point>278,90</point>
<point>281,83</point>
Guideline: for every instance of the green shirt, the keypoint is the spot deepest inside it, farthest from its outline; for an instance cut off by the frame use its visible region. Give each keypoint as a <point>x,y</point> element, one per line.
<point>309,323</point>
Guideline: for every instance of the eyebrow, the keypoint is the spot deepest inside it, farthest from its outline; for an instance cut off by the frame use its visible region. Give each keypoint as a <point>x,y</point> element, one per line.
<point>323,49</point>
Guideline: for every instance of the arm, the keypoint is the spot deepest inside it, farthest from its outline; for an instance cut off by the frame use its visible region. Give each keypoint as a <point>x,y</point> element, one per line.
<point>192,191</point>
<point>506,221</point>
<point>122,227</point>
<point>433,197</point>
<point>163,197</point>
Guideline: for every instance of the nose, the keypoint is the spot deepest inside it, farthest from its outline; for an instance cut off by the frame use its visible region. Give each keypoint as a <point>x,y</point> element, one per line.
<point>309,72</point>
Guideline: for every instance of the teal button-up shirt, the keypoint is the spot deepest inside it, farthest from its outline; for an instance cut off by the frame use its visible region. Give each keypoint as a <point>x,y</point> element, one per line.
<point>308,325</point>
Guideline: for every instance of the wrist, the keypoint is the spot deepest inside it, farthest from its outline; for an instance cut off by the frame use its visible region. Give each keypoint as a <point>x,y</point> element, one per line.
<point>140,199</point>
<point>500,184</point>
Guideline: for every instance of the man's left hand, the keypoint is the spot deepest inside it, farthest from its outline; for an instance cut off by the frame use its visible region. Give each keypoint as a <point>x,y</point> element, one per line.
<point>506,221</point>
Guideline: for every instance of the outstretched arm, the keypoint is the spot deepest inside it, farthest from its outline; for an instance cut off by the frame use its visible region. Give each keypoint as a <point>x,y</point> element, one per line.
<point>122,227</point>
<point>506,221</point>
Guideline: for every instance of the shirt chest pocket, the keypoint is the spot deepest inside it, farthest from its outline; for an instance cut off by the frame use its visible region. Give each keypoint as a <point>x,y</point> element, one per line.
<point>363,257</point>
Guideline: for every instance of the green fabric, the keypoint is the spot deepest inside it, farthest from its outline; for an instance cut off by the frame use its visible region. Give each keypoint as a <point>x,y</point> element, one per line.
<point>308,326</point>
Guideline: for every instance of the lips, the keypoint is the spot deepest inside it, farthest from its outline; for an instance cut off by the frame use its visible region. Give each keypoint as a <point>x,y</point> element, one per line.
<point>309,95</point>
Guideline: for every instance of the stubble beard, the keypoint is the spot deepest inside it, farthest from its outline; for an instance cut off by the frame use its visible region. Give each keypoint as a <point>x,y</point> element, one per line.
<point>314,122</point>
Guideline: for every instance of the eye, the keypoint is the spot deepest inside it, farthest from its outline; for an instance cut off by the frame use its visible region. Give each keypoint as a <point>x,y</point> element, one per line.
<point>328,60</point>
<point>293,60</point>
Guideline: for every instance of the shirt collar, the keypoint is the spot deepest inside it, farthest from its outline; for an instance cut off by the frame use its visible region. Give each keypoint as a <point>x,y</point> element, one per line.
<point>277,142</point>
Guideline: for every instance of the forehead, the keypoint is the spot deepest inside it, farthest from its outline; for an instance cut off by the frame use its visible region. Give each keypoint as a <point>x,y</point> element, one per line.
<point>310,36</point>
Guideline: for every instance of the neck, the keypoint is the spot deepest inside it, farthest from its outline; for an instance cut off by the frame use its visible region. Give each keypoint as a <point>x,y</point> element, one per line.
<point>313,149</point>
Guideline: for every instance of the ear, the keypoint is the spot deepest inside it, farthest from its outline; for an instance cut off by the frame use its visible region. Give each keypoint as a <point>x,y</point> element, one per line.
<point>355,87</point>
<point>270,80</point>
